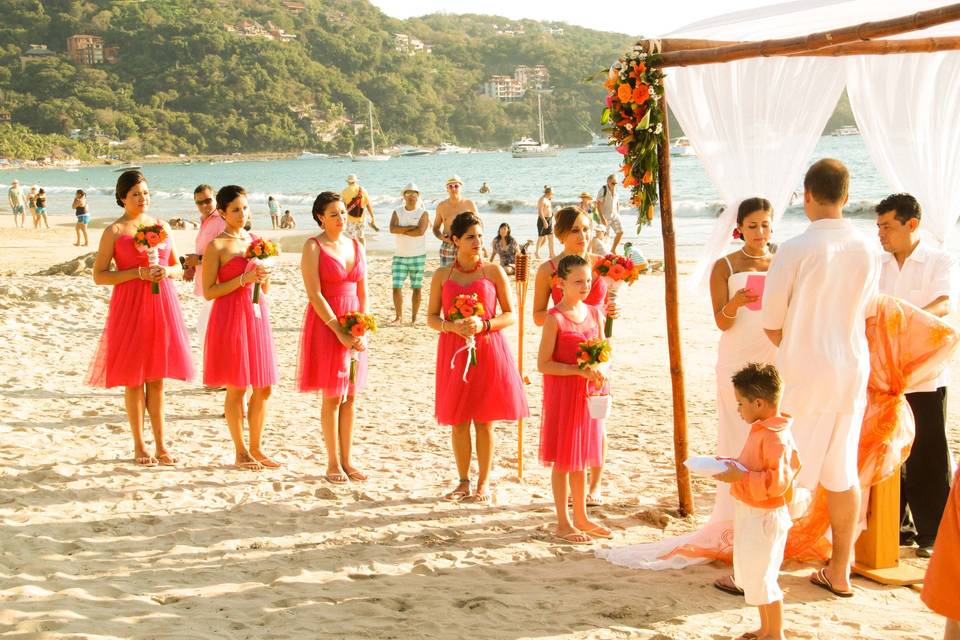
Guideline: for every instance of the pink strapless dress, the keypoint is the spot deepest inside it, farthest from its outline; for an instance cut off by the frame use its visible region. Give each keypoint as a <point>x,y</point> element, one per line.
<point>239,351</point>
<point>569,438</point>
<point>493,390</point>
<point>144,338</point>
<point>596,297</point>
<point>324,362</point>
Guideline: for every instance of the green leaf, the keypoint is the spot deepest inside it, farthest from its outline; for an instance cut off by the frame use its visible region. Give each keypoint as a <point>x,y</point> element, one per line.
<point>605,116</point>
<point>645,121</point>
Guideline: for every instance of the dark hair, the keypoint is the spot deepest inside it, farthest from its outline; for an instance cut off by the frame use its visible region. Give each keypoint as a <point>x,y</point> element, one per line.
<point>752,205</point>
<point>547,189</point>
<point>904,205</point>
<point>564,219</point>
<point>228,194</point>
<point>462,223</point>
<point>270,198</point>
<point>569,263</point>
<point>322,202</point>
<point>828,181</point>
<point>81,192</point>
<point>757,380</point>
<point>201,188</point>
<point>127,180</point>
<point>41,190</point>
<point>510,239</point>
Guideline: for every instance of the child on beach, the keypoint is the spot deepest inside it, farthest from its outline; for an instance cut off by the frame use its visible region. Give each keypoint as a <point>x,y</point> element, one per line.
<point>571,440</point>
<point>763,493</point>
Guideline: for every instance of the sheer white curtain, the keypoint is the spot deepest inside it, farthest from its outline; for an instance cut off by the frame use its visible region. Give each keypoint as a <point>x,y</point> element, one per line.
<point>754,125</point>
<point>908,110</point>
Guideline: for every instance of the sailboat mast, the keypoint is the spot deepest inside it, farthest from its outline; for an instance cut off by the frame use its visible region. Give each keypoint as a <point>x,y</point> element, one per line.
<point>373,150</point>
<point>540,118</point>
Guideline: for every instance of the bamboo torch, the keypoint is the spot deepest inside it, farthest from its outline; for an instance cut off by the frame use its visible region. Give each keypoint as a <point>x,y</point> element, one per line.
<point>520,271</point>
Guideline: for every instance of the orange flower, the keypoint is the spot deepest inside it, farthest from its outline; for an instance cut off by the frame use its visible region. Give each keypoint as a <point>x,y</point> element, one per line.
<point>624,92</point>
<point>357,329</point>
<point>610,84</point>
<point>641,94</point>
<point>638,70</point>
<point>617,272</point>
<point>629,181</point>
<point>627,169</point>
<point>650,212</point>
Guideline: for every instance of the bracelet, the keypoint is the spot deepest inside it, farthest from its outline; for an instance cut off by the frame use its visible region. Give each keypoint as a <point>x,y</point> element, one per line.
<point>139,273</point>
<point>331,320</point>
<point>443,324</point>
<point>487,323</point>
<point>723,312</point>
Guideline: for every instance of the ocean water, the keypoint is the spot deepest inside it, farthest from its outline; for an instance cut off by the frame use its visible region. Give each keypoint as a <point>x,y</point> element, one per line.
<point>515,184</point>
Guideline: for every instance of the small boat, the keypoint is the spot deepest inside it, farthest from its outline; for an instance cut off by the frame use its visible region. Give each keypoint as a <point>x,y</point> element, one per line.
<point>309,155</point>
<point>373,156</point>
<point>527,147</point>
<point>845,130</point>
<point>598,144</point>
<point>413,152</point>
<point>129,167</point>
<point>446,148</point>
<point>681,147</point>
<point>71,169</point>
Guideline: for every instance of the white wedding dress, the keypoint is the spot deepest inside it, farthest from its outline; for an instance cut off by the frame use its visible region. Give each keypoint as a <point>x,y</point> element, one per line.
<point>741,344</point>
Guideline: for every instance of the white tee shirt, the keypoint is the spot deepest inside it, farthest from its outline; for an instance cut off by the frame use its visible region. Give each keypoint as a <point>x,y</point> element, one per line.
<point>410,246</point>
<point>927,274</point>
<point>821,288</point>
<point>608,202</point>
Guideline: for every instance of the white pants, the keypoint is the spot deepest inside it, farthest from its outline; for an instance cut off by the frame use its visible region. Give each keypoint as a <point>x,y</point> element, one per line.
<point>759,536</point>
<point>827,444</point>
<point>202,319</point>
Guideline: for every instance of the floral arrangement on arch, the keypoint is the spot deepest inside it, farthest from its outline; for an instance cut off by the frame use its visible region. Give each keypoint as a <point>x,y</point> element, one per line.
<point>634,121</point>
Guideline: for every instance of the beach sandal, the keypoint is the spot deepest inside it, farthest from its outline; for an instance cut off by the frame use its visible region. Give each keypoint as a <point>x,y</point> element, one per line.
<point>268,463</point>
<point>821,580</point>
<point>574,537</point>
<point>167,460</point>
<point>748,636</point>
<point>599,532</point>
<point>146,461</point>
<point>720,584</point>
<point>458,494</point>
<point>594,500</point>
<point>336,478</point>
<point>249,465</point>
<point>357,476</point>
<point>477,498</point>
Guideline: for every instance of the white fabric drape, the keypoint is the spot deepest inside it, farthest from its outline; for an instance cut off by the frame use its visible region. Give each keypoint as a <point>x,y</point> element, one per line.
<point>908,110</point>
<point>750,132</point>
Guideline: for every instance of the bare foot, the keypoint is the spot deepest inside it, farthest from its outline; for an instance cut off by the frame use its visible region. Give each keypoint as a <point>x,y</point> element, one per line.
<point>264,460</point>
<point>396,322</point>
<point>459,493</point>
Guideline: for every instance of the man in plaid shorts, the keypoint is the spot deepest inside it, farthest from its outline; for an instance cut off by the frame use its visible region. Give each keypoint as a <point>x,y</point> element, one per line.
<point>447,210</point>
<point>409,226</point>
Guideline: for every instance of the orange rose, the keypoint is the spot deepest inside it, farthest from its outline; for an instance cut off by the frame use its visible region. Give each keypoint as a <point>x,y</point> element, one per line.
<point>467,311</point>
<point>647,177</point>
<point>617,272</point>
<point>624,92</point>
<point>641,94</point>
<point>357,329</point>
<point>629,181</point>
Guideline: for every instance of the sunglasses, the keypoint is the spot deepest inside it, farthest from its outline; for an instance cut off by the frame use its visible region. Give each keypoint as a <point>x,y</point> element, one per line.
<point>453,186</point>
<point>204,202</point>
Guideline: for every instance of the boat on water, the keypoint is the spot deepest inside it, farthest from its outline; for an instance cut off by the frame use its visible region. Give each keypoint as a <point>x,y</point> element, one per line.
<point>527,147</point>
<point>681,147</point>
<point>128,167</point>
<point>413,152</point>
<point>446,148</point>
<point>845,130</point>
<point>598,144</point>
<point>309,155</point>
<point>373,156</point>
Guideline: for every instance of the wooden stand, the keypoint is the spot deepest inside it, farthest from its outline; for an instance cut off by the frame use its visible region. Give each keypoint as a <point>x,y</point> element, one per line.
<point>878,548</point>
<point>521,268</point>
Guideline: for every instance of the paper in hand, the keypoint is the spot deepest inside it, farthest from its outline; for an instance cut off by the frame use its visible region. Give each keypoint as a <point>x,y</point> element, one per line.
<point>709,465</point>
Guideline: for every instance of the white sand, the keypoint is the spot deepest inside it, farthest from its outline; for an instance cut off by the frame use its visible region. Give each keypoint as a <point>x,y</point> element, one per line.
<point>92,546</point>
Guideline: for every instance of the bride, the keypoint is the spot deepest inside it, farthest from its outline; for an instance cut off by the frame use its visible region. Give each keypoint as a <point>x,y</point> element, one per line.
<point>736,287</point>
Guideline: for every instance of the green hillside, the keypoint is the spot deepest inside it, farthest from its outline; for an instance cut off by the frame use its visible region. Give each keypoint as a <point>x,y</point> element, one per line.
<point>185,83</point>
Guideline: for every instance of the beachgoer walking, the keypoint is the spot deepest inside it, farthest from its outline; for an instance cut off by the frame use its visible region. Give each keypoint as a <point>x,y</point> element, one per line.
<point>274,208</point>
<point>358,206</point>
<point>40,210</point>
<point>544,222</point>
<point>17,201</point>
<point>447,210</point>
<point>608,208</point>
<point>79,207</point>
<point>409,225</point>
<point>32,206</point>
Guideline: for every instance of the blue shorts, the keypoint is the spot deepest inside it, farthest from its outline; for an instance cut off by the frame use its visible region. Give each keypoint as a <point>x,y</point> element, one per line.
<point>84,219</point>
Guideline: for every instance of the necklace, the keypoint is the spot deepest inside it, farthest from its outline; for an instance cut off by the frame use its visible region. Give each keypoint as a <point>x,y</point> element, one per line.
<point>762,255</point>
<point>456,265</point>
<point>239,236</point>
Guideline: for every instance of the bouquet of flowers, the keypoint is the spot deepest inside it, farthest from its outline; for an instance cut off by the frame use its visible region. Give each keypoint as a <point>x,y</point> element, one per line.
<point>150,239</point>
<point>358,324</point>
<point>262,251</point>
<point>595,354</point>
<point>615,270</point>
<point>466,305</point>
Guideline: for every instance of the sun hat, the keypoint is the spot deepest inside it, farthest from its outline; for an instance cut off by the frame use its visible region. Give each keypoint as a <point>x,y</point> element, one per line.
<point>584,194</point>
<point>410,187</point>
<point>351,179</point>
<point>454,179</point>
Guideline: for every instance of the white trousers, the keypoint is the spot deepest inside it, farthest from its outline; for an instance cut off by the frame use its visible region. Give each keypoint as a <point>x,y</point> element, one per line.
<point>202,319</point>
<point>759,536</point>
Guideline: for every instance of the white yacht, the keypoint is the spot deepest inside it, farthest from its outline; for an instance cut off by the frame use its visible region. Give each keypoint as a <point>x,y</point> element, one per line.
<point>846,130</point>
<point>527,147</point>
<point>681,147</point>
<point>373,156</point>
<point>598,144</point>
<point>412,152</point>
<point>446,148</point>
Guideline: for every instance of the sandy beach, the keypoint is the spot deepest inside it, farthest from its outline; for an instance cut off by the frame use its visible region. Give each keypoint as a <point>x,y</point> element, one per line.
<point>94,547</point>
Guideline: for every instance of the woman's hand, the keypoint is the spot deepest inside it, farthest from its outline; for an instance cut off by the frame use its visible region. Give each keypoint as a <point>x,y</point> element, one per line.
<point>157,273</point>
<point>349,340</point>
<point>593,375</point>
<point>613,310</point>
<point>260,273</point>
<point>468,326</point>
<point>743,297</point>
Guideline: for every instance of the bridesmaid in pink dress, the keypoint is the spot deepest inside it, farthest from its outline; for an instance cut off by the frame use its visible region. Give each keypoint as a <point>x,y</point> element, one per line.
<point>570,439</point>
<point>572,228</point>
<point>492,389</point>
<point>145,339</point>
<point>334,276</point>
<point>238,348</point>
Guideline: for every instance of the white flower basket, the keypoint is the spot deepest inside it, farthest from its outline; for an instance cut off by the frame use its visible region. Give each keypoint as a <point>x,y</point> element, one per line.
<point>599,406</point>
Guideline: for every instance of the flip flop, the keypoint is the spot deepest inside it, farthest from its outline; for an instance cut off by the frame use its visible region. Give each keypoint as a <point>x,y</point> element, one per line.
<point>599,532</point>
<point>594,501</point>
<point>821,580</point>
<point>250,465</point>
<point>336,478</point>
<point>458,494</point>
<point>357,476</point>
<point>477,498</point>
<point>748,636</point>
<point>146,461</point>
<point>726,588</point>
<point>571,538</point>
<point>268,463</point>
<point>167,460</point>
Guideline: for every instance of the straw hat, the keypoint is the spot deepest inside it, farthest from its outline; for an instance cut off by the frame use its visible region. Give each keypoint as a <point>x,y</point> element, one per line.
<point>584,194</point>
<point>410,187</point>
<point>351,179</point>
<point>454,179</point>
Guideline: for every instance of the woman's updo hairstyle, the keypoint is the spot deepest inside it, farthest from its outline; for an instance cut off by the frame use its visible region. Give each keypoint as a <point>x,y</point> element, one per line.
<point>463,222</point>
<point>564,219</point>
<point>547,189</point>
<point>127,180</point>
<point>752,205</point>
<point>228,194</point>
<point>322,202</point>
<point>569,263</point>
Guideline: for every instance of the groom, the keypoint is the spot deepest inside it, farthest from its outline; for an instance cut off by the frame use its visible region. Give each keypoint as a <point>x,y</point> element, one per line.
<point>821,287</point>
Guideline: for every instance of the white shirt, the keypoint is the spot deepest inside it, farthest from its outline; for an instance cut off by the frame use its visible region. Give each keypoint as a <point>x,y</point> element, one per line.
<point>821,288</point>
<point>607,202</point>
<point>927,274</point>
<point>410,246</point>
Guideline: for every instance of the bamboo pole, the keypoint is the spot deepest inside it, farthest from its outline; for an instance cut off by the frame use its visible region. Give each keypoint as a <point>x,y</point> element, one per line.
<point>867,47</point>
<point>673,322</point>
<point>521,268</point>
<point>801,45</point>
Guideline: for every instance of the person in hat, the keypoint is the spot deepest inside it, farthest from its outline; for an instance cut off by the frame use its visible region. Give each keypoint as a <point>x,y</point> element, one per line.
<point>358,206</point>
<point>588,207</point>
<point>409,225</point>
<point>17,200</point>
<point>447,210</point>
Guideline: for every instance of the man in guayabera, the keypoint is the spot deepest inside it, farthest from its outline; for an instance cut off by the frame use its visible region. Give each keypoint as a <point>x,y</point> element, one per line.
<point>447,210</point>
